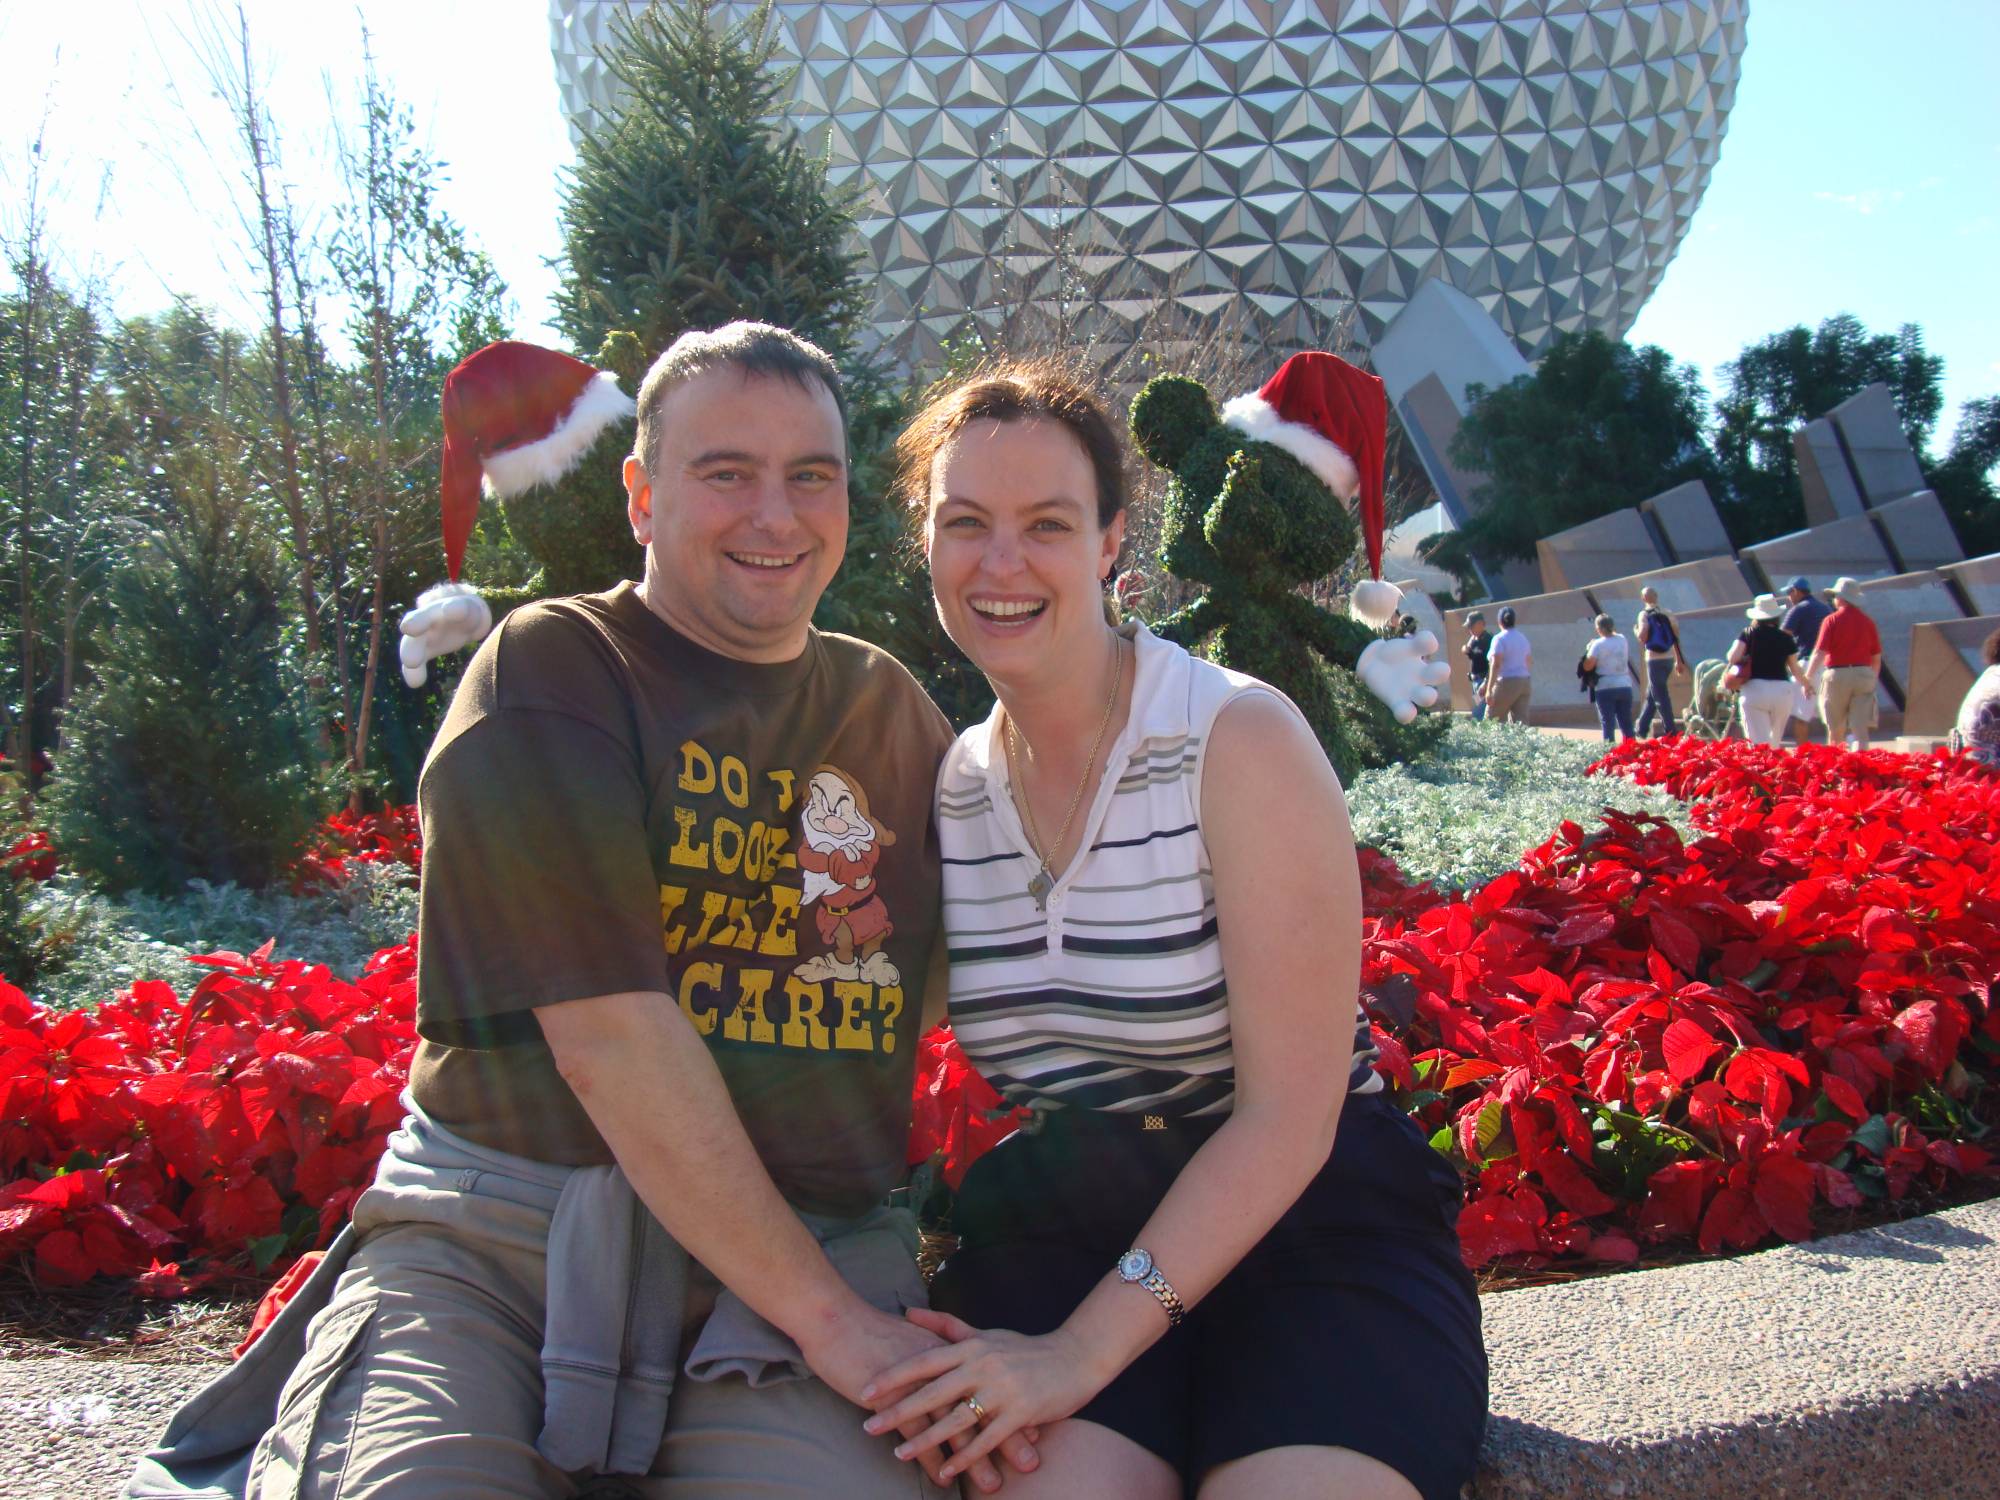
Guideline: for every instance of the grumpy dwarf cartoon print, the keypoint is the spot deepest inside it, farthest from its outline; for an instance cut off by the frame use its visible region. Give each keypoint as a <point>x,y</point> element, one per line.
<point>840,846</point>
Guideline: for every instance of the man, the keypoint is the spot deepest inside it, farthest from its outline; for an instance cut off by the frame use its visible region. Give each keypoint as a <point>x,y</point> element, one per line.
<point>1477,648</point>
<point>1805,616</point>
<point>1849,652</point>
<point>633,1225</point>
<point>1660,639</point>
<point>1802,621</point>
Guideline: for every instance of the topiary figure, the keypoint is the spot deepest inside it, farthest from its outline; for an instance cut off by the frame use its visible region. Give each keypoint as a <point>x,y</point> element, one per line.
<point>546,435</point>
<point>1255,509</point>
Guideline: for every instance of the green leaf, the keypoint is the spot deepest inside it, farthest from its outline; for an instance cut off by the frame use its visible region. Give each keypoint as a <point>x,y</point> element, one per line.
<point>1441,1140</point>
<point>1872,1135</point>
<point>267,1248</point>
<point>1492,1120</point>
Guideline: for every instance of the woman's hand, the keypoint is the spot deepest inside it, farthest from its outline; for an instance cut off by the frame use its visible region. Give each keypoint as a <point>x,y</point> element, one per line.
<point>1020,1382</point>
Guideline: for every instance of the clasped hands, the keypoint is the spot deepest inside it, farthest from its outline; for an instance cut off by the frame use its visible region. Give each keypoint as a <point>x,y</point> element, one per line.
<point>980,1391</point>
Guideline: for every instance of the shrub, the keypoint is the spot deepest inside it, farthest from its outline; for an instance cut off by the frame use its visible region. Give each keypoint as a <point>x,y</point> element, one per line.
<point>1463,814</point>
<point>190,756</point>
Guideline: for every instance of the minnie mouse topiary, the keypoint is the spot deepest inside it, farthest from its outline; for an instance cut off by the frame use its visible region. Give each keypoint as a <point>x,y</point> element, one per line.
<point>1256,507</point>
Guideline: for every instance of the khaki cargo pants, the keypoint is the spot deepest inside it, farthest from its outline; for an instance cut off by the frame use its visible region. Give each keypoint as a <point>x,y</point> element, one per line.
<point>422,1381</point>
<point>1509,700</point>
<point>1847,703</point>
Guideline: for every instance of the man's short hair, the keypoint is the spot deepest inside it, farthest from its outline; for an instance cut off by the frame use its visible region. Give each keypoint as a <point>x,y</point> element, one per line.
<point>1649,595</point>
<point>1477,617</point>
<point>753,348</point>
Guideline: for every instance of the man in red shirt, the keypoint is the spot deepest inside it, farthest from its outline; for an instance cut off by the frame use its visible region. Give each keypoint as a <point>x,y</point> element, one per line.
<point>1850,649</point>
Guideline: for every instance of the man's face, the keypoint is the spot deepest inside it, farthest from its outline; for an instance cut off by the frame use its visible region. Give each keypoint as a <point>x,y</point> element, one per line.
<point>1797,596</point>
<point>744,517</point>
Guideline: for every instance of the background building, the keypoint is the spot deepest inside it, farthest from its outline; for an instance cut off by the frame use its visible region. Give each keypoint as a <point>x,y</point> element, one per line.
<point>1265,160</point>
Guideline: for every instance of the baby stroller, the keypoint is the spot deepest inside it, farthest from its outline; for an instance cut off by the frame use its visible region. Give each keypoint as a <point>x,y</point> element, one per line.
<point>1712,709</point>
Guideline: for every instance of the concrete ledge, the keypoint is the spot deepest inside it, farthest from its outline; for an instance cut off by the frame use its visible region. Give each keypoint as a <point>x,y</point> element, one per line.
<point>1865,1365</point>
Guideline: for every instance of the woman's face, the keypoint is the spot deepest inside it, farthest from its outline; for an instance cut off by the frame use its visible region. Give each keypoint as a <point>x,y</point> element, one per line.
<point>1017,558</point>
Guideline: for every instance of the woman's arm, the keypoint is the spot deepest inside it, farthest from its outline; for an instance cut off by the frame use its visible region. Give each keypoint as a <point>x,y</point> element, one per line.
<point>1288,907</point>
<point>1739,653</point>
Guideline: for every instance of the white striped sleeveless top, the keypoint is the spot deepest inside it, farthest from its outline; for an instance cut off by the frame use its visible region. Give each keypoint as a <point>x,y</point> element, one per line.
<point>1114,998</point>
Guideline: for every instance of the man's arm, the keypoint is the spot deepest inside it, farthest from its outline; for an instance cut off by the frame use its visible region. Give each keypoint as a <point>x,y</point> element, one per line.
<point>649,1085</point>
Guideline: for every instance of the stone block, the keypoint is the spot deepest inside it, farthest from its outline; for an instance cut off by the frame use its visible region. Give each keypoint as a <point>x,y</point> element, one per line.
<point>1899,603</point>
<point>1688,522</point>
<point>1918,532</point>
<point>1610,546</point>
<point>1878,454</point>
<point>1829,489</point>
<point>1850,547</point>
<point>1945,657</point>
<point>1978,579</point>
<point>1691,585</point>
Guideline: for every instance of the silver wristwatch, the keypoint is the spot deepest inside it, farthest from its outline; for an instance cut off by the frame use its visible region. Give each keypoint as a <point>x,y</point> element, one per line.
<point>1136,1266</point>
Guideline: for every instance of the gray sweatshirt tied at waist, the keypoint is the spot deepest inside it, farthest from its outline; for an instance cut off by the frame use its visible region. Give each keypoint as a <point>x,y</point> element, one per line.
<point>616,1290</point>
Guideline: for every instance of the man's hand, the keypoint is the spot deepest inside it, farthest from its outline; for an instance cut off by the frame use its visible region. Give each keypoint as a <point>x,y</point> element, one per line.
<point>1402,673</point>
<point>863,1344</point>
<point>446,617</point>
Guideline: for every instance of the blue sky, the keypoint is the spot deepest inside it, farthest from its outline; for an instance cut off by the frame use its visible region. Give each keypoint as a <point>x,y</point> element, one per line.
<point>1861,171</point>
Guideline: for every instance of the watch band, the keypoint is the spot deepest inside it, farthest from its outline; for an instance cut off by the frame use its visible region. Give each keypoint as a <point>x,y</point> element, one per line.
<point>1136,1266</point>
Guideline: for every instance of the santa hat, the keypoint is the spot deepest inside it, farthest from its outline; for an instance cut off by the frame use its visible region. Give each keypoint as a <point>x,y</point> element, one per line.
<point>1334,419</point>
<point>517,416</point>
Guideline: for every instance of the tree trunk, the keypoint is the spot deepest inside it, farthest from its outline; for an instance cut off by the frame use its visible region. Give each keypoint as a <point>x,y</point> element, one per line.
<point>281,389</point>
<point>358,762</point>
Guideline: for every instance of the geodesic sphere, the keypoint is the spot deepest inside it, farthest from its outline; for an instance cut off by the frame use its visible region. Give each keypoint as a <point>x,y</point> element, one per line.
<point>1275,162</point>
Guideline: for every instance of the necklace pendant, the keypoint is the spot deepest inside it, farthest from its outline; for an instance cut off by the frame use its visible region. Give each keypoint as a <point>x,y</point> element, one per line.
<point>1039,888</point>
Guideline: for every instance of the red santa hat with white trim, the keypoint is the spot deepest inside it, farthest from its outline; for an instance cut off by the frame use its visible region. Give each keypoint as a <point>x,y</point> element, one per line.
<point>1334,419</point>
<point>516,416</point>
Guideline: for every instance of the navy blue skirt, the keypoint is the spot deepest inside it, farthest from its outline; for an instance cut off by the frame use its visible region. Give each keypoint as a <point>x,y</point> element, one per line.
<point>1352,1324</point>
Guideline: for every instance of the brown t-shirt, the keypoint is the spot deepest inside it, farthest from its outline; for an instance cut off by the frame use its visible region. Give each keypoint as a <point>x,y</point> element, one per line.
<point>609,807</point>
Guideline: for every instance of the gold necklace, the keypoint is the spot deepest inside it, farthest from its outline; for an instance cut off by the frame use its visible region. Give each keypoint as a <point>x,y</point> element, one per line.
<point>1041,883</point>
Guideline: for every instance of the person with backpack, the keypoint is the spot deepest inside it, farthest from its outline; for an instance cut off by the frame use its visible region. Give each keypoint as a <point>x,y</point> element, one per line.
<point>1660,639</point>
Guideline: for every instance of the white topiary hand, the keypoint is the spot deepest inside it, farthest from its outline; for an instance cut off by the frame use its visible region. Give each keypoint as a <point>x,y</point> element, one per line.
<point>1401,673</point>
<point>447,617</point>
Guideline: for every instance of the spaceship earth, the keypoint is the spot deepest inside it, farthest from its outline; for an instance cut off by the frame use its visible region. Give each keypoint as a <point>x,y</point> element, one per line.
<point>1285,165</point>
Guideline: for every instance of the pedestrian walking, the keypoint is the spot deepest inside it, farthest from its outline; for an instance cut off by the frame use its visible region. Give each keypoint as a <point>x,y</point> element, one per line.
<point>1611,655</point>
<point>1771,656</point>
<point>1477,648</point>
<point>1660,639</point>
<point>1509,678</point>
<point>1848,662</point>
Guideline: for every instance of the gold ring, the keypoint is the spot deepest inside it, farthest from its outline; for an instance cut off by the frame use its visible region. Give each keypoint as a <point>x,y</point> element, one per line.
<point>978,1411</point>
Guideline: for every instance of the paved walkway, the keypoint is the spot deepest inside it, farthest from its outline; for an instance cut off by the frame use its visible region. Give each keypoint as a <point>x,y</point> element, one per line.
<point>1863,1365</point>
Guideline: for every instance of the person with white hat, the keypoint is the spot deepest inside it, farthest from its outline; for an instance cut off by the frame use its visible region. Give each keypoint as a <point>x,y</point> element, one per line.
<point>1849,652</point>
<point>1770,657</point>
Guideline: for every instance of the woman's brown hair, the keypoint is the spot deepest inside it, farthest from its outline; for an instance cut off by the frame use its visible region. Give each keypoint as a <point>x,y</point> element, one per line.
<point>1015,390</point>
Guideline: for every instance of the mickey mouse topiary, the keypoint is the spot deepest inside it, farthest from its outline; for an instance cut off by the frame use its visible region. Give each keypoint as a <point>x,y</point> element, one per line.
<point>1254,509</point>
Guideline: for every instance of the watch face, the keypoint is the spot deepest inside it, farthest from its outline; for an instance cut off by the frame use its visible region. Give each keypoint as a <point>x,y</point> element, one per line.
<point>1136,1266</point>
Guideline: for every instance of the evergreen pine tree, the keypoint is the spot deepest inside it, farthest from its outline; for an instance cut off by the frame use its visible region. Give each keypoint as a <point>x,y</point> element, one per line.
<point>696,205</point>
<point>190,756</point>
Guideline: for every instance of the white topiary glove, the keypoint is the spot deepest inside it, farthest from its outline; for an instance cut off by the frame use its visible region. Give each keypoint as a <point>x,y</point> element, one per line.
<point>446,617</point>
<point>1401,673</point>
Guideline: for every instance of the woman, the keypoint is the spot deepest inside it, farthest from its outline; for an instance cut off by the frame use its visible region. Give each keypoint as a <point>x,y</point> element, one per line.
<point>1510,672</point>
<point>1772,657</point>
<point>1612,657</point>
<point>1977,732</point>
<point>1153,913</point>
